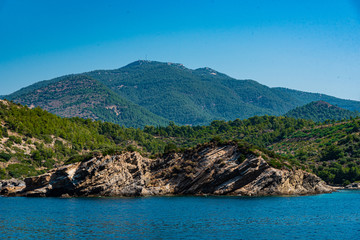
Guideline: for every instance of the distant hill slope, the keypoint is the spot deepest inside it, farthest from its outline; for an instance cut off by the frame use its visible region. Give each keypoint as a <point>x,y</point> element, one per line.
<point>82,96</point>
<point>320,111</point>
<point>306,97</point>
<point>187,96</point>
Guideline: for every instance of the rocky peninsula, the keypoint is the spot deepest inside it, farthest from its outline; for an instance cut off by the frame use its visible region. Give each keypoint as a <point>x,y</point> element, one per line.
<point>210,169</point>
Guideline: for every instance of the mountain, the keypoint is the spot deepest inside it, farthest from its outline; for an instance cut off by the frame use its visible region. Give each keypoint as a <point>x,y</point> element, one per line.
<point>199,96</point>
<point>192,96</point>
<point>82,96</point>
<point>320,111</point>
<point>185,96</point>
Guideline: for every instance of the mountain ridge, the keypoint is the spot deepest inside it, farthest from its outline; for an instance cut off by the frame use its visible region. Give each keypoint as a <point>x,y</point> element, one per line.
<point>194,97</point>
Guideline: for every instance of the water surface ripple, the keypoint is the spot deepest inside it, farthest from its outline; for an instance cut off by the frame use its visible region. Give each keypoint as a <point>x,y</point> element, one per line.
<point>326,216</point>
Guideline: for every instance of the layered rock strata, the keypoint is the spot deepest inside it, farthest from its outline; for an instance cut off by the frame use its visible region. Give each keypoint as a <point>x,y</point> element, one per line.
<point>207,170</point>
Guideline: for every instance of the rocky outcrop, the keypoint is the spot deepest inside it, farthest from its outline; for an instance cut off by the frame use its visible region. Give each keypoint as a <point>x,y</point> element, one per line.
<point>353,186</point>
<point>225,171</point>
<point>210,169</point>
<point>121,175</point>
<point>11,186</point>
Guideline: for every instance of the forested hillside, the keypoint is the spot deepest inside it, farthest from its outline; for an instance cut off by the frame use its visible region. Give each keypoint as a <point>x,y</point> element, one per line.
<point>332,151</point>
<point>321,111</point>
<point>167,91</point>
<point>190,96</point>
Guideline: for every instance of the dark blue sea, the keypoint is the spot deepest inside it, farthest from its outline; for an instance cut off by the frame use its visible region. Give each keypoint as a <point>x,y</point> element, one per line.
<point>326,216</point>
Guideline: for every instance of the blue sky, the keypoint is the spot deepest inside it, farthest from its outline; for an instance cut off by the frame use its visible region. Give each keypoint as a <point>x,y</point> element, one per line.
<point>306,45</point>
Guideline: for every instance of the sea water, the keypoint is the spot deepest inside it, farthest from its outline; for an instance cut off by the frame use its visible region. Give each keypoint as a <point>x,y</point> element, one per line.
<point>325,216</point>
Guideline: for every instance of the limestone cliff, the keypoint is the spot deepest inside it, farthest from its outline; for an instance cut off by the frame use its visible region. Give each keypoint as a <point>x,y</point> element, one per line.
<point>210,169</point>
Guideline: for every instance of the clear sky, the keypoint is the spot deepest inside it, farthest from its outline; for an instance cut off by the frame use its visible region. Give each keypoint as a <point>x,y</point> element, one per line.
<point>307,45</point>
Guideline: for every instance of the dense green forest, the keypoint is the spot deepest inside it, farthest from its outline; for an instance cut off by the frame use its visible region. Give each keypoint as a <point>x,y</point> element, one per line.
<point>33,141</point>
<point>151,93</point>
<point>321,111</point>
<point>261,131</point>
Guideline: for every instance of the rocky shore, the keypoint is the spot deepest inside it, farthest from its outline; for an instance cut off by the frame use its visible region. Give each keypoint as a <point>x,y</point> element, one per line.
<point>11,186</point>
<point>206,170</point>
<point>352,186</point>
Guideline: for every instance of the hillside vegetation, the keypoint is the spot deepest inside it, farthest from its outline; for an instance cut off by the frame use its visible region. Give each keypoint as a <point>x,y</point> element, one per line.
<point>150,93</point>
<point>332,151</point>
<point>188,96</point>
<point>321,111</point>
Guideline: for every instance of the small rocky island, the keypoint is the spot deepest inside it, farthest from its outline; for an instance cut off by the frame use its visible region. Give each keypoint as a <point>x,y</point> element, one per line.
<point>209,169</point>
